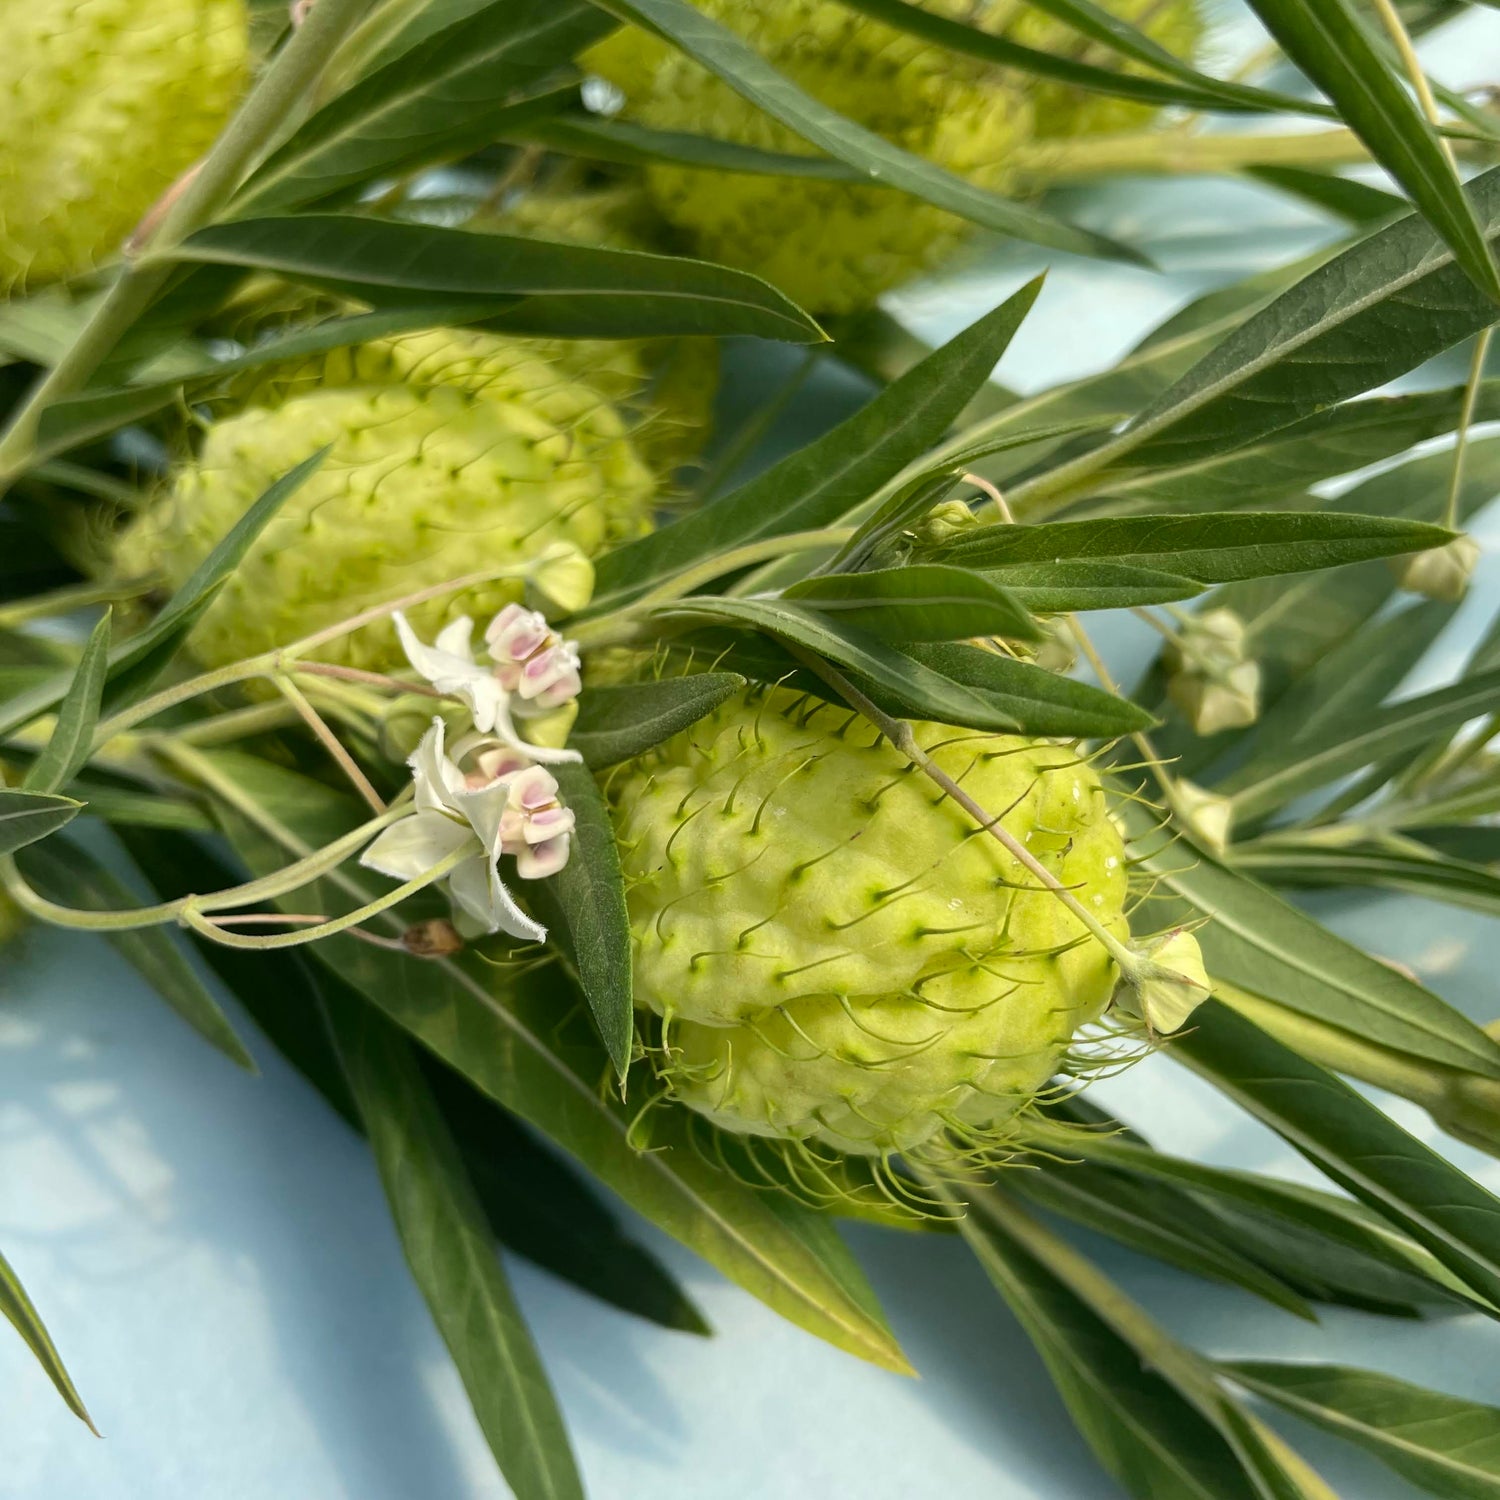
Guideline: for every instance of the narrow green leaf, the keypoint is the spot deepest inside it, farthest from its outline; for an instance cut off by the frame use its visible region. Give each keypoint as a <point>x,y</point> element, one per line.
<point>619,723</point>
<point>1088,583</point>
<point>565,291</point>
<point>1346,197</point>
<point>1362,1150</point>
<point>1438,877</point>
<point>26,817</point>
<point>1199,91</point>
<point>1142,1428</point>
<point>819,484</point>
<point>723,53</point>
<point>919,602</point>
<point>1444,1444</point>
<point>585,905</point>
<point>25,1319</point>
<point>1211,548</point>
<point>1327,39</point>
<point>451,1255</point>
<point>1158,1220</point>
<point>517,1042</point>
<point>72,739</point>
<point>1382,307</point>
<point>1277,778</point>
<point>1256,940</point>
<point>65,872</point>
<point>451,93</point>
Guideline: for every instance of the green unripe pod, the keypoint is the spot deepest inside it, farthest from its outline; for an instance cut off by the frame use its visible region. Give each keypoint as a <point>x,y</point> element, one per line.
<point>833,247</point>
<point>103,104</point>
<point>449,453</point>
<point>838,954</point>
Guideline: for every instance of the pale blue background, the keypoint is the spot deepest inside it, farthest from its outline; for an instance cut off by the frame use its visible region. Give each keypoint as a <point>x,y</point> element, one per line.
<point>213,1253</point>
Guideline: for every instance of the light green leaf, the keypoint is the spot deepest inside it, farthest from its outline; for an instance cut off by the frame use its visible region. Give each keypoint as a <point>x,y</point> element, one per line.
<point>584,905</point>
<point>619,723</point>
<point>452,1256</point>
<point>65,872</point>
<point>1448,1446</point>
<point>26,817</point>
<point>822,482</point>
<point>1090,583</point>
<point>72,738</point>
<point>919,602</point>
<point>1280,775</point>
<point>1362,1150</point>
<point>517,1042</point>
<point>1327,39</point>
<point>455,91</point>
<point>723,53</point>
<point>1211,548</point>
<point>565,291</point>
<point>25,1319</point>
<point>1256,940</point>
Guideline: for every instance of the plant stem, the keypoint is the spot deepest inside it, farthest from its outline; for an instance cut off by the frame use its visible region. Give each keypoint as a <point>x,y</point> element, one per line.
<point>1465,419</point>
<point>263,114</point>
<point>331,743</point>
<point>193,917</point>
<point>901,735</point>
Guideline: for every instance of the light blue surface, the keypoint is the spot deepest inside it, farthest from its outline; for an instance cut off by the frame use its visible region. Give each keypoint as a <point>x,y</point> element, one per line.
<point>213,1253</point>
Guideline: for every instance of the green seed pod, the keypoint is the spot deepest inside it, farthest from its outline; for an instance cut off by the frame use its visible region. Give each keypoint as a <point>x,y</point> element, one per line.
<point>836,952</point>
<point>103,104</point>
<point>449,453</point>
<point>833,247</point>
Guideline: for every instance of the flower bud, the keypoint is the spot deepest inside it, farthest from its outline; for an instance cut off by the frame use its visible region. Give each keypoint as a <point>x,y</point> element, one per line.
<point>563,577</point>
<point>1206,815</point>
<point>1442,573</point>
<point>1169,986</point>
<point>945,521</point>
<point>1056,651</point>
<point>435,938</point>
<point>1212,682</point>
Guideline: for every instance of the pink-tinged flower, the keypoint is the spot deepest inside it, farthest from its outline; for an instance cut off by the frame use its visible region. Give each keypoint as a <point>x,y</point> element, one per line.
<point>532,660</point>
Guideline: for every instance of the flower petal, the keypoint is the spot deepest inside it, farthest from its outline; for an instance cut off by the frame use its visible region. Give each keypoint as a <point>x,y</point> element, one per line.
<point>544,859</point>
<point>477,888</point>
<point>410,848</point>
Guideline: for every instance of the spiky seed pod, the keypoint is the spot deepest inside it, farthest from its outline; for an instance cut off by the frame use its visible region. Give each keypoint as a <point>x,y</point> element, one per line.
<point>837,953</point>
<point>103,103</point>
<point>832,247</point>
<point>449,452</point>
<point>1062,110</point>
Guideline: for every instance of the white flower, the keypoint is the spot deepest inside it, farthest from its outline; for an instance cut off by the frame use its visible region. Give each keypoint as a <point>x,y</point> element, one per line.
<point>532,659</point>
<point>449,665</point>
<point>453,812</point>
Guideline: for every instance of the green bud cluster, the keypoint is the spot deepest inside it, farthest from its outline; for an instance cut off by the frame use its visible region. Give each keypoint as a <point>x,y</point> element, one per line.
<point>838,955</point>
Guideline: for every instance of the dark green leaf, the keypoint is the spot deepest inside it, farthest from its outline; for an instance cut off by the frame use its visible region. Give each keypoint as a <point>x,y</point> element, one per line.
<point>1211,548</point>
<point>619,723</point>
<point>1448,1446</point>
<point>723,53</point>
<point>25,1319</point>
<point>822,482</point>
<point>452,1256</point>
<point>1362,1150</point>
<point>1354,201</point>
<point>1199,91</point>
<point>919,602</point>
<point>451,93</point>
<point>1090,583</point>
<point>522,1041</point>
<point>26,817</point>
<point>1142,1428</point>
<point>566,291</point>
<point>73,736</point>
<point>1256,940</point>
<point>62,871</point>
<point>1328,41</point>
<point>1380,308</point>
<point>585,905</point>
<point>1158,1220</point>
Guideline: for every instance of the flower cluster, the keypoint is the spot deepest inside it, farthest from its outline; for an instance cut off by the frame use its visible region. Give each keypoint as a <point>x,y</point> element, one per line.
<point>491,789</point>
